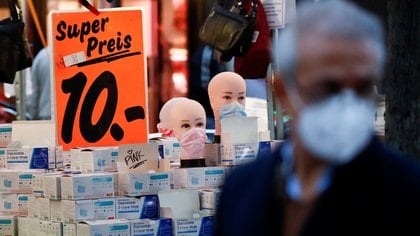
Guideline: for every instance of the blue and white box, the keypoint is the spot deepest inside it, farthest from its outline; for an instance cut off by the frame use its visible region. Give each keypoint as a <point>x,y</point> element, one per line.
<point>148,227</point>
<point>203,177</point>
<point>117,227</point>
<point>5,134</point>
<point>31,158</point>
<point>17,181</point>
<point>69,229</point>
<point>98,159</point>
<point>8,225</point>
<point>87,186</point>
<point>51,186</point>
<point>144,207</point>
<point>201,226</point>
<point>50,228</point>
<point>138,184</point>
<point>104,208</point>
<point>75,211</point>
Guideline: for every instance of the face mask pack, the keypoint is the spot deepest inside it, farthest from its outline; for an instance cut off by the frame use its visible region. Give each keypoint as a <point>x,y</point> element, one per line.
<point>233,109</point>
<point>192,143</point>
<point>338,128</point>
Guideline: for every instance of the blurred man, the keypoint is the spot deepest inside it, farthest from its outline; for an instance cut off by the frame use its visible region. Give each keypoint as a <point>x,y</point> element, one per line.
<point>332,177</point>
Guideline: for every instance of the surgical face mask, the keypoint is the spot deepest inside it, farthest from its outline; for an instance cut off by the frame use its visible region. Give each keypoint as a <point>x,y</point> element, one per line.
<point>337,129</point>
<point>192,143</point>
<point>233,109</point>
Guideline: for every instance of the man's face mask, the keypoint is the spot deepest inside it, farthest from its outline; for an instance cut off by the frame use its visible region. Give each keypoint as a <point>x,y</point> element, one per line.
<point>233,109</point>
<point>337,128</point>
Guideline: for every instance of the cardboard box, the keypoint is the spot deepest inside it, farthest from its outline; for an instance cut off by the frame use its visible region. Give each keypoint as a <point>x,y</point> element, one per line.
<point>5,134</point>
<point>55,210</point>
<point>44,208</point>
<point>194,226</point>
<point>138,184</point>
<point>144,207</point>
<point>9,203</point>
<point>75,211</point>
<point>31,158</point>
<point>69,229</point>
<point>50,228</point>
<point>203,177</point>
<point>87,186</point>
<point>104,209</point>
<point>17,181</point>
<point>3,158</point>
<point>52,186</point>
<point>27,226</point>
<point>104,227</point>
<point>8,225</point>
<point>98,159</point>
<point>32,207</point>
<point>148,227</point>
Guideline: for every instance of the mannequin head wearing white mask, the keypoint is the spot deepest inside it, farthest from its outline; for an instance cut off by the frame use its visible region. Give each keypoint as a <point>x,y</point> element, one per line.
<point>326,70</point>
<point>188,119</point>
<point>226,88</point>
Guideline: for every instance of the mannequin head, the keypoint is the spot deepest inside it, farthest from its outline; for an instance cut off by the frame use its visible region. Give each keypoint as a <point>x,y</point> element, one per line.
<point>186,114</point>
<point>188,122</point>
<point>225,88</point>
<point>165,117</point>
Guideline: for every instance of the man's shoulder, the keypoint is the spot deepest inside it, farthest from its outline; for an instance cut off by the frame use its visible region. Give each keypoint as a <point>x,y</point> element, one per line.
<point>254,172</point>
<point>394,166</point>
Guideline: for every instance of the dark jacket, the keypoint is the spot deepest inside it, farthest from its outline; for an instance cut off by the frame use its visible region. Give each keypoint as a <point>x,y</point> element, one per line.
<point>377,193</point>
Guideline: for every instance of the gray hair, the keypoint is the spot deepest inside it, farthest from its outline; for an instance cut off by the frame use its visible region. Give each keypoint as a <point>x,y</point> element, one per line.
<point>337,18</point>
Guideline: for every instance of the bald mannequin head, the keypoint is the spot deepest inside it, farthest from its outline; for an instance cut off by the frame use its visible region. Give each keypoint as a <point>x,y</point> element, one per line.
<point>186,114</point>
<point>165,116</point>
<point>225,88</point>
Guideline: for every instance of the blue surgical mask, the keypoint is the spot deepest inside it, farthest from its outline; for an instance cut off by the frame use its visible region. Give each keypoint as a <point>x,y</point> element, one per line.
<point>337,129</point>
<point>233,109</point>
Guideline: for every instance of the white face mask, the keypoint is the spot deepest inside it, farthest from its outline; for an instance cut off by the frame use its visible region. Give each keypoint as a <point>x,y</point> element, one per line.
<point>337,129</point>
<point>233,109</point>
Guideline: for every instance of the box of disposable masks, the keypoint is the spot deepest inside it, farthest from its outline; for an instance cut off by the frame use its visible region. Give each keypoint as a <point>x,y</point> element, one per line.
<point>3,158</point>
<point>115,227</point>
<point>74,211</point>
<point>31,158</point>
<point>69,229</point>
<point>238,145</point>
<point>87,186</point>
<point>14,203</point>
<point>171,148</point>
<point>144,207</point>
<point>55,210</point>
<point>194,226</point>
<point>50,228</point>
<point>137,184</point>
<point>98,159</point>
<point>8,225</point>
<point>148,227</point>
<point>52,186</point>
<point>17,181</point>
<point>104,208</point>
<point>27,226</point>
<point>44,208</point>
<point>5,134</point>
<point>202,177</point>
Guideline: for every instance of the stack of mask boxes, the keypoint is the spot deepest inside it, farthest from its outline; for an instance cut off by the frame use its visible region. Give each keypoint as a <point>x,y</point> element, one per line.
<point>18,166</point>
<point>62,199</point>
